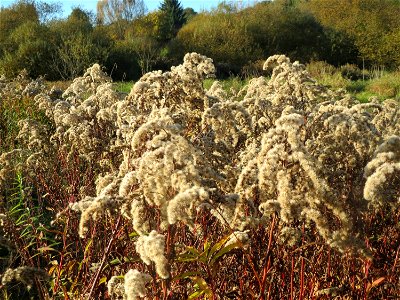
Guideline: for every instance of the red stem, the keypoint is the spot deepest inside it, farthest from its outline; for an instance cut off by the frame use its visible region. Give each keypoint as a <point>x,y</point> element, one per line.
<point>103,260</point>
<point>268,260</point>
<point>291,279</point>
<point>302,279</point>
<point>395,260</point>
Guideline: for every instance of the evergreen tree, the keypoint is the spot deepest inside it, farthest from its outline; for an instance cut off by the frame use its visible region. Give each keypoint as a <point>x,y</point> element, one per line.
<point>172,19</point>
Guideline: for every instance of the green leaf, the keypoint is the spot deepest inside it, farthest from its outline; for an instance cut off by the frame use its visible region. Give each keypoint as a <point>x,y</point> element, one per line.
<point>133,234</point>
<point>116,261</point>
<point>22,219</point>
<point>89,243</point>
<point>224,251</point>
<point>190,254</point>
<point>206,246</point>
<point>192,250</point>
<point>102,280</point>
<point>25,232</point>
<point>46,248</point>
<point>218,246</point>
<point>16,209</point>
<point>186,258</point>
<point>29,245</point>
<point>132,259</point>
<point>195,295</point>
<point>203,257</point>
<point>201,285</point>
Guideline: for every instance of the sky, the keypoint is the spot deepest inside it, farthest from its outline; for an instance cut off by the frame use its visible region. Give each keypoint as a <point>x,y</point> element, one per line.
<point>197,5</point>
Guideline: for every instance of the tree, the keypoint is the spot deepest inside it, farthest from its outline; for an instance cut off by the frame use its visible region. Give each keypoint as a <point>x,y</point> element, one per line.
<point>25,43</point>
<point>368,23</point>
<point>119,13</point>
<point>142,36</point>
<point>109,11</point>
<point>13,17</point>
<point>79,44</point>
<point>189,13</point>
<point>221,36</point>
<point>29,47</point>
<point>281,27</point>
<point>78,21</point>
<point>172,19</point>
<point>48,11</point>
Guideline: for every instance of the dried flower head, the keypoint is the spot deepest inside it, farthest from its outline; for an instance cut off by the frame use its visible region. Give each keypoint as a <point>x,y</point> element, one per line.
<point>135,284</point>
<point>26,275</point>
<point>383,174</point>
<point>115,287</point>
<point>151,249</point>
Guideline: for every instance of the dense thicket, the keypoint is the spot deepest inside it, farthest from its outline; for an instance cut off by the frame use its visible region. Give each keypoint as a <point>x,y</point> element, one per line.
<point>129,41</point>
<point>283,190</point>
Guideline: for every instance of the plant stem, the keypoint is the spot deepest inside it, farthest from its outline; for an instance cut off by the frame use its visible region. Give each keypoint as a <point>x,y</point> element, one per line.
<point>103,260</point>
<point>267,262</point>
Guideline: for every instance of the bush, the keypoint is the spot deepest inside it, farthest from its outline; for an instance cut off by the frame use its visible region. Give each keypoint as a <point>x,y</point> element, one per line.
<point>319,69</point>
<point>222,37</point>
<point>29,47</point>
<point>387,86</point>
<point>78,44</point>
<point>122,62</point>
<point>352,72</point>
<point>252,69</point>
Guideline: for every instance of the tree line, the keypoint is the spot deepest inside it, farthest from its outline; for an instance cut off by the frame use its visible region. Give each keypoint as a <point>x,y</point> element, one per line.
<point>128,40</point>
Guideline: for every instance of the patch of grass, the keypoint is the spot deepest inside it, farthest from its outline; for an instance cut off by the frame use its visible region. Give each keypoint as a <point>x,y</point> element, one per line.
<point>357,86</point>
<point>229,84</point>
<point>123,86</point>
<point>364,96</point>
<point>234,83</point>
<point>334,81</point>
<point>207,83</point>
<point>319,69</point>
<point>387,86</point>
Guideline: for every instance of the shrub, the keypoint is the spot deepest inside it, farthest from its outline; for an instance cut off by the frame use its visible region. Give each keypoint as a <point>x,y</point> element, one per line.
<point>387,86</point>
<point>352,72</point>
<point>122,63</point>
<point>222,37</point>
<point>319,69</point>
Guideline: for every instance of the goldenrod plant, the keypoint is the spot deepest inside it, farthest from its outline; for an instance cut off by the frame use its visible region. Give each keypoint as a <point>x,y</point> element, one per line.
<point>282,189</point>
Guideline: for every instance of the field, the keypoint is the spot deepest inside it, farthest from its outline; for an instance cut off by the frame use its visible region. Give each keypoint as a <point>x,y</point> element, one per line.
<point>177,186</point>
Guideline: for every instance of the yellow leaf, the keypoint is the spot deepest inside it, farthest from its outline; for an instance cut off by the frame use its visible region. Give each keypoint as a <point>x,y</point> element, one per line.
<point>102,280</point>
<point>375,283</point>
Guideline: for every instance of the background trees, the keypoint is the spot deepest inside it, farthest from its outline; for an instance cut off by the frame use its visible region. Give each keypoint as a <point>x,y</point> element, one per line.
<point>119,13</point>
<point>172,18</point>
<point>222,35</point>
<point>143,39</point>
<point>25,43</point>
<point>28,48</point>
<point>130,41</point>
<point>79,44</point>
<point>368,24</point>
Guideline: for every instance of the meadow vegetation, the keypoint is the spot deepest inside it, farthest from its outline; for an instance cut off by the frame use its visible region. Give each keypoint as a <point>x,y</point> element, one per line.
<point>220,175</point>
<point>282,188</point>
